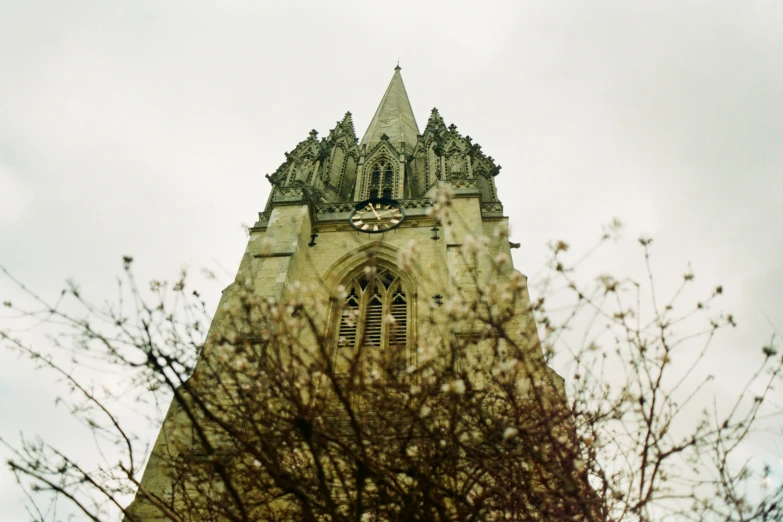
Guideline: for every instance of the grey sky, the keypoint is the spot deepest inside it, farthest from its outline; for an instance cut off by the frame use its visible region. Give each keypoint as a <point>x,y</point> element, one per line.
<point>146,128</point>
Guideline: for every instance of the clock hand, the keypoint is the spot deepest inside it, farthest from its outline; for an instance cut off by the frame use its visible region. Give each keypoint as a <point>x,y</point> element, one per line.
<point>386,212</point>
<point>374,212</point>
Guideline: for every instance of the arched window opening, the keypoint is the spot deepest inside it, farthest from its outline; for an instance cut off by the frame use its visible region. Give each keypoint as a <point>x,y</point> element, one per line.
<point>382,180</point>
<point>375,314</point>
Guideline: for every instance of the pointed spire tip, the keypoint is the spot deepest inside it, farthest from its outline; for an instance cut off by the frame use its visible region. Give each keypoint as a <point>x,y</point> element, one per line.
<point>394,116</point>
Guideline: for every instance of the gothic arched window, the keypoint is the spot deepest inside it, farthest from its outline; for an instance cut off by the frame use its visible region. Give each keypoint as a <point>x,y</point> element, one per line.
<point>375,313</point>
<point>381,180</point>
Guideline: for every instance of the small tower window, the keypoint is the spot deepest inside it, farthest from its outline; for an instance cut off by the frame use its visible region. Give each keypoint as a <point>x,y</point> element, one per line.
<point>382,180</point>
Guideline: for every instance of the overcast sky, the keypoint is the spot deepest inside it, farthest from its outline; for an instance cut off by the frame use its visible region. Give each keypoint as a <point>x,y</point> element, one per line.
<point>145,128</point>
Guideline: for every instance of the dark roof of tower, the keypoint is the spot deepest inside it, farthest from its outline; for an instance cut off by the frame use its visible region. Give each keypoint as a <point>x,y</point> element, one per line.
<point>394,116</point>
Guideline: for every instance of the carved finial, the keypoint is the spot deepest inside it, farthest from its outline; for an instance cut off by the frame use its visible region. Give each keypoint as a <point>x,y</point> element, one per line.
<point>452,127</point>
<point>398,65</point>
<point>313,133</point>
<point>384,137</point>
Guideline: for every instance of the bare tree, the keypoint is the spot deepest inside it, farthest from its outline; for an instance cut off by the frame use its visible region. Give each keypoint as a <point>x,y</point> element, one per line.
<point>293,413</point>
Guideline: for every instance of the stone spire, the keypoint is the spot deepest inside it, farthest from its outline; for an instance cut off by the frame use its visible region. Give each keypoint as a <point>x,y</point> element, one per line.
<point>394,116</point>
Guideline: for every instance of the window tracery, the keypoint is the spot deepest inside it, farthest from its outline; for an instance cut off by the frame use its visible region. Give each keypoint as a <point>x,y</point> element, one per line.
<point>374,313</point>
<point>381,180</point>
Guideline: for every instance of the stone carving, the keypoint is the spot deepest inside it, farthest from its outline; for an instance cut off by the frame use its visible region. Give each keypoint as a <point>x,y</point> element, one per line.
<point>325,209</point>
<point>288,192</point>
<point>416,203</point>
<point>274,179</point>
<point>455,166</point>
<point>494,206</point>
<point>332,208</point>
<point>463,183</point>
<point>304,169</point>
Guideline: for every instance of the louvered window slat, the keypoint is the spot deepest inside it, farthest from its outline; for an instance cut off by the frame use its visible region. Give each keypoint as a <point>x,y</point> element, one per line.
<point>398,333</point>
<point>373,322</point>
<point>349,322</point>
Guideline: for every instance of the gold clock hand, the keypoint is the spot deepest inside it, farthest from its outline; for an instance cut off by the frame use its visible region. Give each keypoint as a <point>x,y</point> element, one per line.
<point>374,212</point>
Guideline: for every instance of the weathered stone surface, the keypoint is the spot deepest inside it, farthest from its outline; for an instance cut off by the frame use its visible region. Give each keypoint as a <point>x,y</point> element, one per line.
<point>394,117</point>
<point>314,192</point>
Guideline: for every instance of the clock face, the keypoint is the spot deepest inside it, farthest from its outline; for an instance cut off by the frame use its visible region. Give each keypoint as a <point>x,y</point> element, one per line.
<point>377,215</point>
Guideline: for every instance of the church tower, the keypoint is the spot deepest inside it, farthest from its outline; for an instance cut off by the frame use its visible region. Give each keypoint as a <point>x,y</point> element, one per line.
<point>338,203</point>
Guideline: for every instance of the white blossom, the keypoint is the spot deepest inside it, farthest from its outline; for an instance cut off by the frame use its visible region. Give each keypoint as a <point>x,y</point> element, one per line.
<point>456,387</point>
<point>425,352</point>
